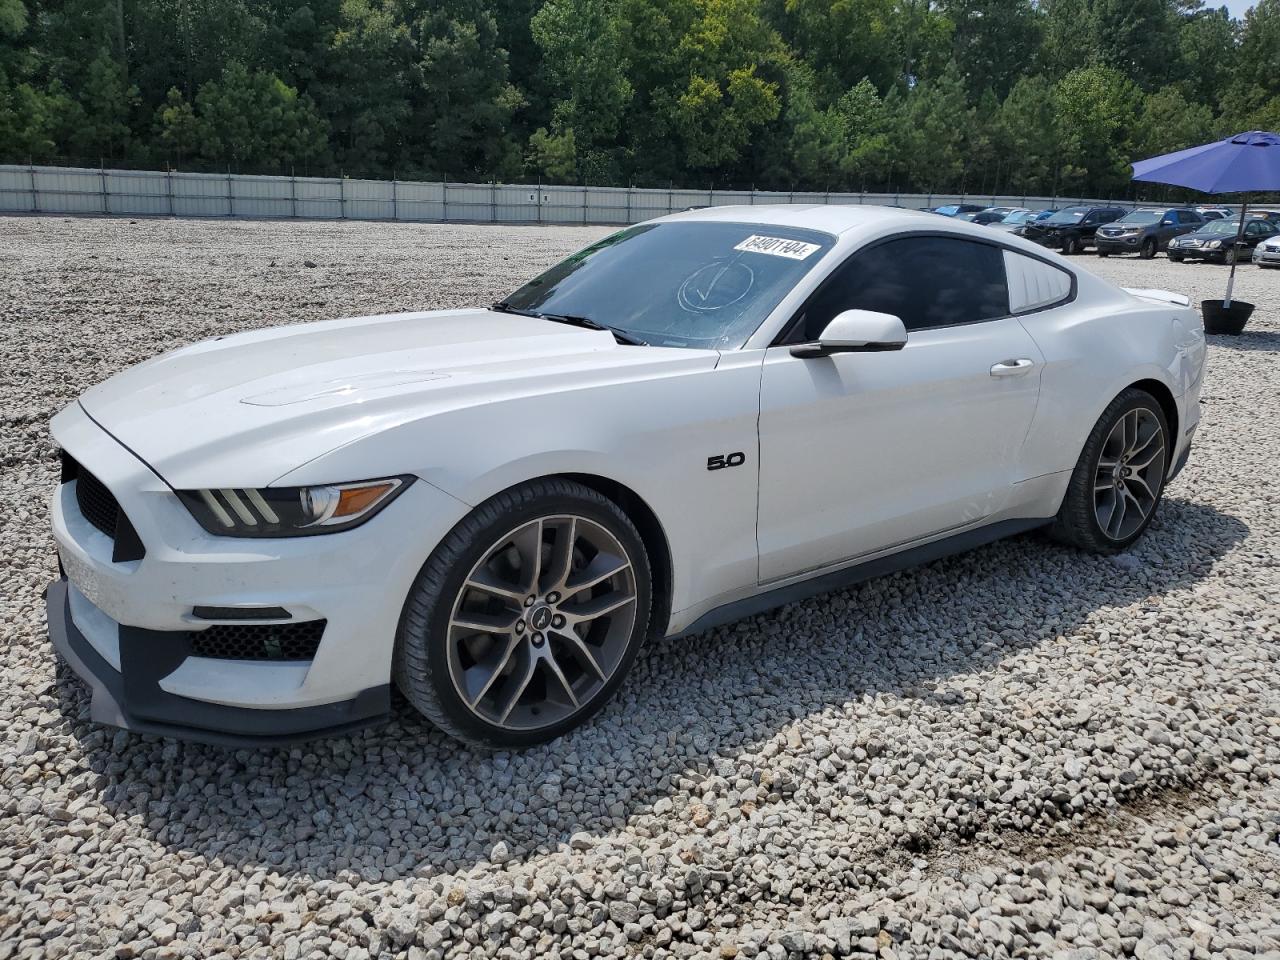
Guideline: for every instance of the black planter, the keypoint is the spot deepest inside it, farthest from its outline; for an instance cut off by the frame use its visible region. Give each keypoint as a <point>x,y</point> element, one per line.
<point>1219,318</point>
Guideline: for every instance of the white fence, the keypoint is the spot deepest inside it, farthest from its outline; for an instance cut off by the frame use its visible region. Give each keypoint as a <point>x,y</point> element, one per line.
<point>79,190</point>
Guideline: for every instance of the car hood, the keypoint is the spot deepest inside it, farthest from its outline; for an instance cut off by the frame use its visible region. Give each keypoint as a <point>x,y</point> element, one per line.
<point>246,409</point>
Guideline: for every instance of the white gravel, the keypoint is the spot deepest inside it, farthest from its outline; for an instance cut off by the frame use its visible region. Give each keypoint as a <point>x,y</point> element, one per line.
<point>1024,751</point>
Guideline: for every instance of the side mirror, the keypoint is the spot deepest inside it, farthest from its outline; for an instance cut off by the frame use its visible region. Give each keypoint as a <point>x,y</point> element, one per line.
<point>856,331</point>
<point>1166,223</point>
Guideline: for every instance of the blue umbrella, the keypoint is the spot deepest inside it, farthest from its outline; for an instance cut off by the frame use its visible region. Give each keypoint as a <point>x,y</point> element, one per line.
<point>1246,162</point>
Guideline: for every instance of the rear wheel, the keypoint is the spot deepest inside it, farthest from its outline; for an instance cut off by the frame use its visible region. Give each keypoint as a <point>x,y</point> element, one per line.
<point>1119,479</point>
<point>1148,249</point>
<point>527,617</point>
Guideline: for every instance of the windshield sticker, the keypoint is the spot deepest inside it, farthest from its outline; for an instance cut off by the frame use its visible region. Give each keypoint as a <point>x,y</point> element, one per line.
<point>778,247</point>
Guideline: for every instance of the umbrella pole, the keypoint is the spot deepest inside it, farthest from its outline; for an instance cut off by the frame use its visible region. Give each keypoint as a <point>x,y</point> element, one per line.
<point>1231,278</point>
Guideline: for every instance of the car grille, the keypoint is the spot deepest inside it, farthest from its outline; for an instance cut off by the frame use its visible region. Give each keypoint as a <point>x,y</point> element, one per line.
<point>97,504</point>
<point>259,641</point>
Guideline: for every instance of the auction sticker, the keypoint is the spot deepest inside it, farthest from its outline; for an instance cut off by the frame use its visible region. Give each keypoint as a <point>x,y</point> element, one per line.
<point>778,247</point>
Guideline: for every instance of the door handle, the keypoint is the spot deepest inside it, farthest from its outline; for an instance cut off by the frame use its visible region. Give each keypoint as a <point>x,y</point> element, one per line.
<point>1012,368</point>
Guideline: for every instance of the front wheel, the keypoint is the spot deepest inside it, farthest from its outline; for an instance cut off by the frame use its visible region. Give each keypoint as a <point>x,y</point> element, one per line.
<point>527,617</point>
<point>1070,246</point>
<point>1119,479</point>
<point>1230,256</point>
<point>1148,249</point>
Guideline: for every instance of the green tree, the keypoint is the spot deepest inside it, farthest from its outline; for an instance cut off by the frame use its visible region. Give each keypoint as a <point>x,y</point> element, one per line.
<point>866,132</point>
<point>464,106</point>
<point>255,120</point>
<point>1029,131</point>
<point>1097,109</point>
<point>1170,122</point>
<point>726,100</point>
<point>993,41</point>
<point>582,49</point>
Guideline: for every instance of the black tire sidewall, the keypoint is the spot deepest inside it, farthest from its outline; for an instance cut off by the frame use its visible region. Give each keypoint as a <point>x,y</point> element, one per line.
<point>1126,403</point>
<point>479,538</point>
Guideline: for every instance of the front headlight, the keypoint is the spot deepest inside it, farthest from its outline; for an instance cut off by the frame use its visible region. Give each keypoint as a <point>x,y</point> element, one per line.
<point>1214,244</point>
<point>290,511</point>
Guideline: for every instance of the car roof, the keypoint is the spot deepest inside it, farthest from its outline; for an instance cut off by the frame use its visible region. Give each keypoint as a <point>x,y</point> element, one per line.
<point>828,218</point>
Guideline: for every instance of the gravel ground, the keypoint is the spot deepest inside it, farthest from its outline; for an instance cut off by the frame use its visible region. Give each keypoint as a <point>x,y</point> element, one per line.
<point>1024,751</point>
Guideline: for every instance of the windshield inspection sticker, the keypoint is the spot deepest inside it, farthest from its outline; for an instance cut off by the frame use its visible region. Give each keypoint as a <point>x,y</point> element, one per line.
<point>777,247</point>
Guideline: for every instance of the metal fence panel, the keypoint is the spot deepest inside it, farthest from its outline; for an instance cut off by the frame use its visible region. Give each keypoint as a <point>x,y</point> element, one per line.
<point>37,189</point>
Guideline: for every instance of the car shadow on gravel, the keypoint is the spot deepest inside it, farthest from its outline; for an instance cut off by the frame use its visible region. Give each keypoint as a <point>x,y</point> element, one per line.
<point>404,799</point>
<point>1268,341</point>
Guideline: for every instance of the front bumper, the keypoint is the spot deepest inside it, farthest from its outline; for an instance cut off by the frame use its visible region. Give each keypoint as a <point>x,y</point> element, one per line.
<point>1197,253</point>
<point>132,697</point>
<point>1117,244</point>
<point>1266,258</point>
<point>126,626</point>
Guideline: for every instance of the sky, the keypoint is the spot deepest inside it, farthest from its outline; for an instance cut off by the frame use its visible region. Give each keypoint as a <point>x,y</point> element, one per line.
<point>1237,7</point>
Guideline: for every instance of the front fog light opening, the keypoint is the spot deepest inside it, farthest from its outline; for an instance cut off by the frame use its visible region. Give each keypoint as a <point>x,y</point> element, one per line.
<point>290,511</point>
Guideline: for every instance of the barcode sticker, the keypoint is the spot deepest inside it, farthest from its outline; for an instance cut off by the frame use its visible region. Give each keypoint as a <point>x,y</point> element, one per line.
<point>778,247</point>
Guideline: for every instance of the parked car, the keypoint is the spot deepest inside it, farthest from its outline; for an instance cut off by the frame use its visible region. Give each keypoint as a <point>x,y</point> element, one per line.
<point>957,209</point>
<point>1216,211</point>
<point>1014,222</point>
<point>1267,253</point>
<point>993,215</point>
<point>494,508</point>
<point>1271,215</point>
<point>1146,231</point>
<point>1216,241</point>
<point>1072,229</point>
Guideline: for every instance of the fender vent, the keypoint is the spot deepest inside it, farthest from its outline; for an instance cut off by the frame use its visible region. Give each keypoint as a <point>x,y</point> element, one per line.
<point>99,506</point>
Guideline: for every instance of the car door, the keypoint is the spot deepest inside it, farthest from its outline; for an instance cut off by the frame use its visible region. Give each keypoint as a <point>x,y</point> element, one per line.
<point>860,452</point>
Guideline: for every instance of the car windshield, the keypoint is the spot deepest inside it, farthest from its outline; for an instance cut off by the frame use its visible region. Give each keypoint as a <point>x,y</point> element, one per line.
<point>1221,227</point>
<point>677,284</point>
<point>1141,216</point>
<point>947,210</point>
<point>1069,215</point>
<point>1018,216</point>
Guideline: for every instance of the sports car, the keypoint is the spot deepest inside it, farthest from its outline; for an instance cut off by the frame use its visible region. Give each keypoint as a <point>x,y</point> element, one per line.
<point>692,420</point>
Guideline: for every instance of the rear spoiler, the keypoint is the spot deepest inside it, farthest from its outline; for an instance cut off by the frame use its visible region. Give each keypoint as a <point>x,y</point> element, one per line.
<point>1160,296</point>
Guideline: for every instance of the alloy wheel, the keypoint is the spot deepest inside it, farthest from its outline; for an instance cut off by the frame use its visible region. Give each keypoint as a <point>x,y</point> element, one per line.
<point>1129,474</point>
<point>542,622</point>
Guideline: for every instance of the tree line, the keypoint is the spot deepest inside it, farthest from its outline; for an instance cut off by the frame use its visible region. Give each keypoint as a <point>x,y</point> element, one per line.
<point>984,96</point>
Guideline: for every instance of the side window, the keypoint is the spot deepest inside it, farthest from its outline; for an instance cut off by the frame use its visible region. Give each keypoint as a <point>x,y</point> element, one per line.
<point>926,281</point>
<point>1254,229</point>
<point>1174,217</point>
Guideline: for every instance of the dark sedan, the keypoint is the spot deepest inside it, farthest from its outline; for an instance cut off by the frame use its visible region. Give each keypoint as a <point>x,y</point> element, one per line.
<point>1072,229</point>
<point>1216,241</point>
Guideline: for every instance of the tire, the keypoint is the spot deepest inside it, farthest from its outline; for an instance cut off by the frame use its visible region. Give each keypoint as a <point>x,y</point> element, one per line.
<point>546,683</point>
<point>1230,256</point>
<point>1148,249</point>
<point>1103,253</point>
<point>1084,519</point>
<point>1070,246</point>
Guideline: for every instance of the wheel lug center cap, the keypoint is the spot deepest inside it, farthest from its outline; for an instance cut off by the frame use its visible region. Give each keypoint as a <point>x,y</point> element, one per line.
<point>540,617</point>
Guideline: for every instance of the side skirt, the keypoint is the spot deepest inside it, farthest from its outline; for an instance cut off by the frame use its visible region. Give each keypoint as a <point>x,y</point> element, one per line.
<point>858,572</point>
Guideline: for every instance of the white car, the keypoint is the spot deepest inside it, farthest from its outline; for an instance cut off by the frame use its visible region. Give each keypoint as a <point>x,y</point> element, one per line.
<point>493,508</point>
<point>1267,253</point>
